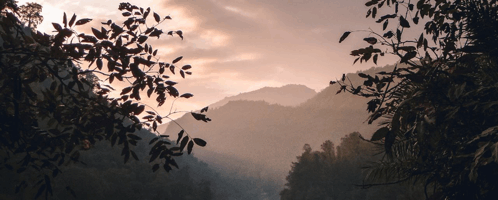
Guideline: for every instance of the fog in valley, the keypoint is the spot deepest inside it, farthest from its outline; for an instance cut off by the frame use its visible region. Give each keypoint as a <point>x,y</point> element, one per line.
<point>249,99</point>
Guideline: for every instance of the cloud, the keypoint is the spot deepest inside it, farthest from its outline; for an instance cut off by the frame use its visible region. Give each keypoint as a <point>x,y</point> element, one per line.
<point>239,45</point>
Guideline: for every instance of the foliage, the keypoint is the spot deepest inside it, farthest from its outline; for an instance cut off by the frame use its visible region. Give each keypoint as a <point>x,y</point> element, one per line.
<point>31,14</point>
<point>334,173</point>
<point>54,108</point>
<point>440,116</point>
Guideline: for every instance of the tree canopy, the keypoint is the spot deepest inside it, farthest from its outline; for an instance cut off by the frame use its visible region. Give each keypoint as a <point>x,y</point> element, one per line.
<point>438,119</point>
<point>54,105</point>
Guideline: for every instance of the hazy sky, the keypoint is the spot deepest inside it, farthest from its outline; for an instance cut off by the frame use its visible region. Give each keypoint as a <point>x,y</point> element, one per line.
<point>241,45</point>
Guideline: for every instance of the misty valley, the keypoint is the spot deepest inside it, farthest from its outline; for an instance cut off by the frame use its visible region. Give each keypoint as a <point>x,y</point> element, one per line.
<point>101,107</point>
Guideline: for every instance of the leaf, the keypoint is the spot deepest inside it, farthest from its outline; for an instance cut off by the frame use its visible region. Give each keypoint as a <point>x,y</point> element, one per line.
<point>380,134</point>
<point>156,17</point>
<point>180,33</point>
<point>374,12</point>
<point>190,147</point>
<point>97,33</point>
<point>126,90</point>
<point>99,63</point>
<point>171,83</point>
<point>200,117</point>
<point>398,35</point>
<point>40,190</point>
<point>343,77</point>
<point>420,41</point>
<point>83,21</point>
<point>153,140</point>
<point>362,75</point>
<point>183,143</point>
<point>182,73</point>
<point>71,22</point>
<point>57,26</point>
<point>186,67</point>
<point>126,14</point>
<point>142,39</point>
<point>200,142</point>
<point>415,20</point>
<point>186,95</point>
<point>344,36</point>
<point>180,135</point>
<point>384,26</point>
<point>139,110</point>
<point>177,59</point>
<point>64,20</point>
<point>205,109</point>
<point>370,40</point>
<point>155,167</point>
<point>376,56</point>
<point>172,69</point>
<point>388,35</point>
<point>332,82</point>
<point>134,155</point>
<point>403,22</point>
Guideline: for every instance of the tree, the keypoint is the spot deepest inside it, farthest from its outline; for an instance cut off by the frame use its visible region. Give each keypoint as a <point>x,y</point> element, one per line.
<point>54,108</point>
<point>31,14</point>
<point>326,174</point>
<point>441,126</point>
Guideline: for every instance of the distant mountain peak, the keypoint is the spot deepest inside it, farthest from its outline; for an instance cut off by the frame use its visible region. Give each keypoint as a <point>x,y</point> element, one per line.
<point>287,95</point>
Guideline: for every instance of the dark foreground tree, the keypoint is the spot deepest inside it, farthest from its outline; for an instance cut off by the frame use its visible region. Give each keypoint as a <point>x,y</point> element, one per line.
<point>54,106</point>
<point>439,119</point>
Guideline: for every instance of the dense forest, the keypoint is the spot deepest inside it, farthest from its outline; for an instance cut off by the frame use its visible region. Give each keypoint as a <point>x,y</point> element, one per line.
<point>336,173</point>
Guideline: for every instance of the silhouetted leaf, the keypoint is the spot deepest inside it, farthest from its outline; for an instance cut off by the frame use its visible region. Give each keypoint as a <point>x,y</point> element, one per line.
<point>177,59</point>
<point>180,135</point>
<point>97,34</point>
<point>205,109</point>
<point>182,73</point>
<point>186,67</point>
<point>155,167</point>
<point>64,20</point>
<point>200,142</point>
<point>156,17</point>
<point>370,40</point>
<point>403,22</point>
<point>190,147</point>
<point>40,190</point>
<point>126,90</point>
<point>344,36</point>
<point>57,27</point>
<point>187,95</point>
<point>73,19</point>
<point>180,33</point>
<point>183,143</point>
<point>380,134</point>
<point>82,21</point>
<point>362,75</point>
<point>153,140</point>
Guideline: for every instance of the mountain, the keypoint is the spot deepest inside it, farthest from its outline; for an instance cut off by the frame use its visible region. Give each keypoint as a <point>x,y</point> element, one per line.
<point>270,136</point>
<point>288,95</point>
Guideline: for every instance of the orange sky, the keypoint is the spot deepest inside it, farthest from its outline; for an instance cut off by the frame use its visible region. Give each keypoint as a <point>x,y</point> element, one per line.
<point>241,45</point>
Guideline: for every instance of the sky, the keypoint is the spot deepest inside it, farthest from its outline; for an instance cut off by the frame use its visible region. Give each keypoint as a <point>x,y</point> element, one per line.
<point>237,46</point>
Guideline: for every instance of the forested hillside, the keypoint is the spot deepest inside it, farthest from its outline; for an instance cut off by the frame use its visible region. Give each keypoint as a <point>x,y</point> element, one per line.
<point>269,136</point>
<point>336,173</point>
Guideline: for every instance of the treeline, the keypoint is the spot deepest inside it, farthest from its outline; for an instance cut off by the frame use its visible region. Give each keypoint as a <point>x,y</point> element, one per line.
<point>103,175</point>
<point>338,173</point>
